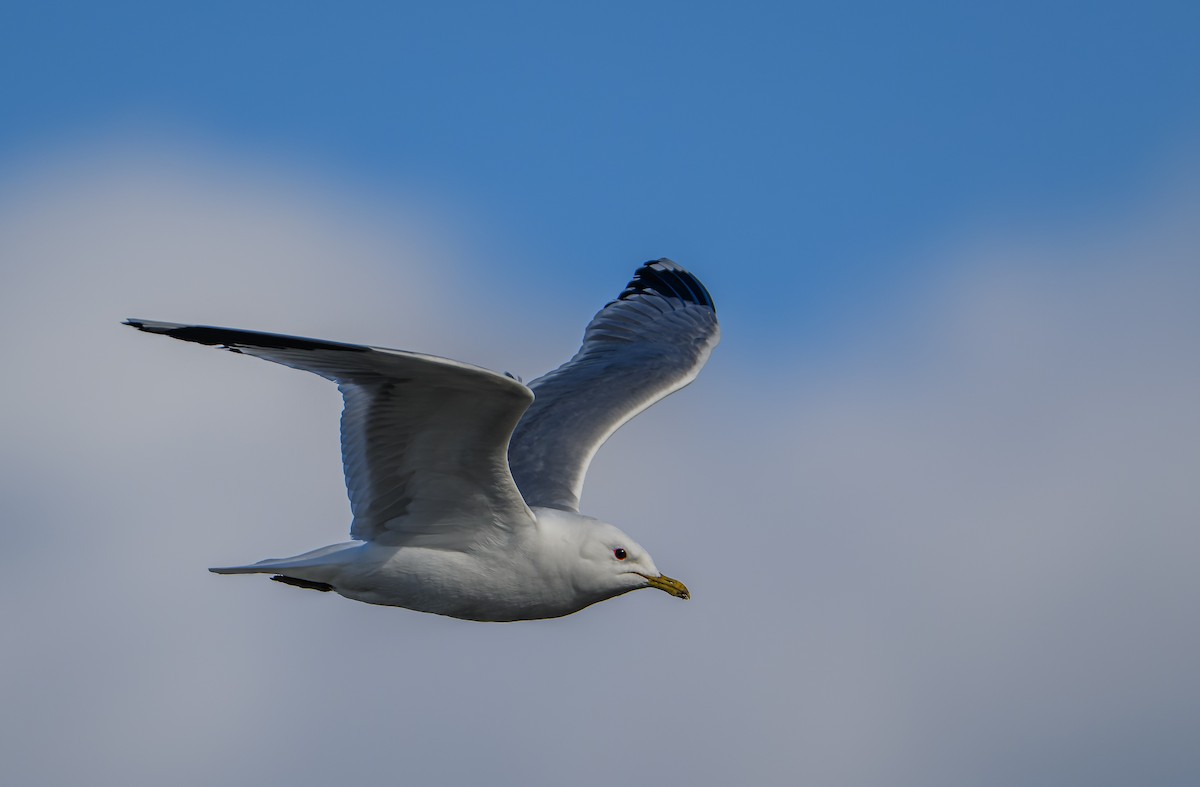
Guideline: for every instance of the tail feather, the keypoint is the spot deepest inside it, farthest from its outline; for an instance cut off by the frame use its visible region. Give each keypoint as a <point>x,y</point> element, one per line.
<point>308,563</point>
<point>255,569</point>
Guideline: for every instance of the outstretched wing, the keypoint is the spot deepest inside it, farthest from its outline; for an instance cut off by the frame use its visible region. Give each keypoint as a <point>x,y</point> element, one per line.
<point>424,439</point>
<point>648,343</point>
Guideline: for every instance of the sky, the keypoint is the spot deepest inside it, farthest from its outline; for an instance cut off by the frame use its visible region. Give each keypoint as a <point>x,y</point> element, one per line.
<point>934,494</point>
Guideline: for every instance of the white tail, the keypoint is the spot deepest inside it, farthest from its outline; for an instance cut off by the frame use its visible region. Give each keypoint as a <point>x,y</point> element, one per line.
<point>316,559</point>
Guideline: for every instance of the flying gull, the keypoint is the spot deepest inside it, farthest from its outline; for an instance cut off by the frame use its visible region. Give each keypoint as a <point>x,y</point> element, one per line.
<point>464,483</point>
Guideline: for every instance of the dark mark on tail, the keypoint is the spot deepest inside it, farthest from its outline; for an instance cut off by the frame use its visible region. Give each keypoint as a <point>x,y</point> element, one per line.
<point>303,583</point>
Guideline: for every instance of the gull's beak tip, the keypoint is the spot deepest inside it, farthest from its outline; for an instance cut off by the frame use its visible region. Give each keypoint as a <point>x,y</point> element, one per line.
<point>668,585</point>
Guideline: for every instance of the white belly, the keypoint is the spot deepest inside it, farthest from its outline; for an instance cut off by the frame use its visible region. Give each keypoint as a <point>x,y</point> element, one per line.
<point>456,584</point>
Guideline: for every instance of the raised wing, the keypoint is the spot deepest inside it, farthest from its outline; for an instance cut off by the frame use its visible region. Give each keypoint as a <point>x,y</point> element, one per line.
<point>424,439</point>
<point>648,343</point>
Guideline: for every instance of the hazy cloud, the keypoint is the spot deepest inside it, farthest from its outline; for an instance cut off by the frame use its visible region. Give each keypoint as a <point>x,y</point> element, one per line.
<point>961,553</point>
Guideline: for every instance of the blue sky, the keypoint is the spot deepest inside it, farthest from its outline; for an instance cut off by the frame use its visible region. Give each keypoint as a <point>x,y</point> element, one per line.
<point>934,494</point>
<point>823,146</point>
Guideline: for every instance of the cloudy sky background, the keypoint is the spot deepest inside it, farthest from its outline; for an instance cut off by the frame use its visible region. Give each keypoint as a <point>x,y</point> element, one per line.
<point>935,493</point>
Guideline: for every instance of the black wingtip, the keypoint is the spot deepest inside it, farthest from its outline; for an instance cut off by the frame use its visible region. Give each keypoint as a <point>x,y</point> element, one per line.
<point>667,278</point>
<point>154,326</point>
<point>232,338</point>
<point>201,334</point>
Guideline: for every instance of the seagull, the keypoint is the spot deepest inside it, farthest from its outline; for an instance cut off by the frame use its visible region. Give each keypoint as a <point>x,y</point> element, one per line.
<point>464,483</point>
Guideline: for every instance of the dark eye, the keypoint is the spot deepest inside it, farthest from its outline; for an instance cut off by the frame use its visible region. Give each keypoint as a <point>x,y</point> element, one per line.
<point>620,554</point>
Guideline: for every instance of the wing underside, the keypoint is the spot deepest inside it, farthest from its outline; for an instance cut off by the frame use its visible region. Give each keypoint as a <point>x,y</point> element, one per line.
<point>424,439</point>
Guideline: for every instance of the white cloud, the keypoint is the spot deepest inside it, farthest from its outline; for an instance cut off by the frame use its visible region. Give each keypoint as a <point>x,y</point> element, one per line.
<point>961,555</point>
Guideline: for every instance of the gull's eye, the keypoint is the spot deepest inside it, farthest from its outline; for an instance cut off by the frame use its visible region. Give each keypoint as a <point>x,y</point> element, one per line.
<point>620,554</point>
